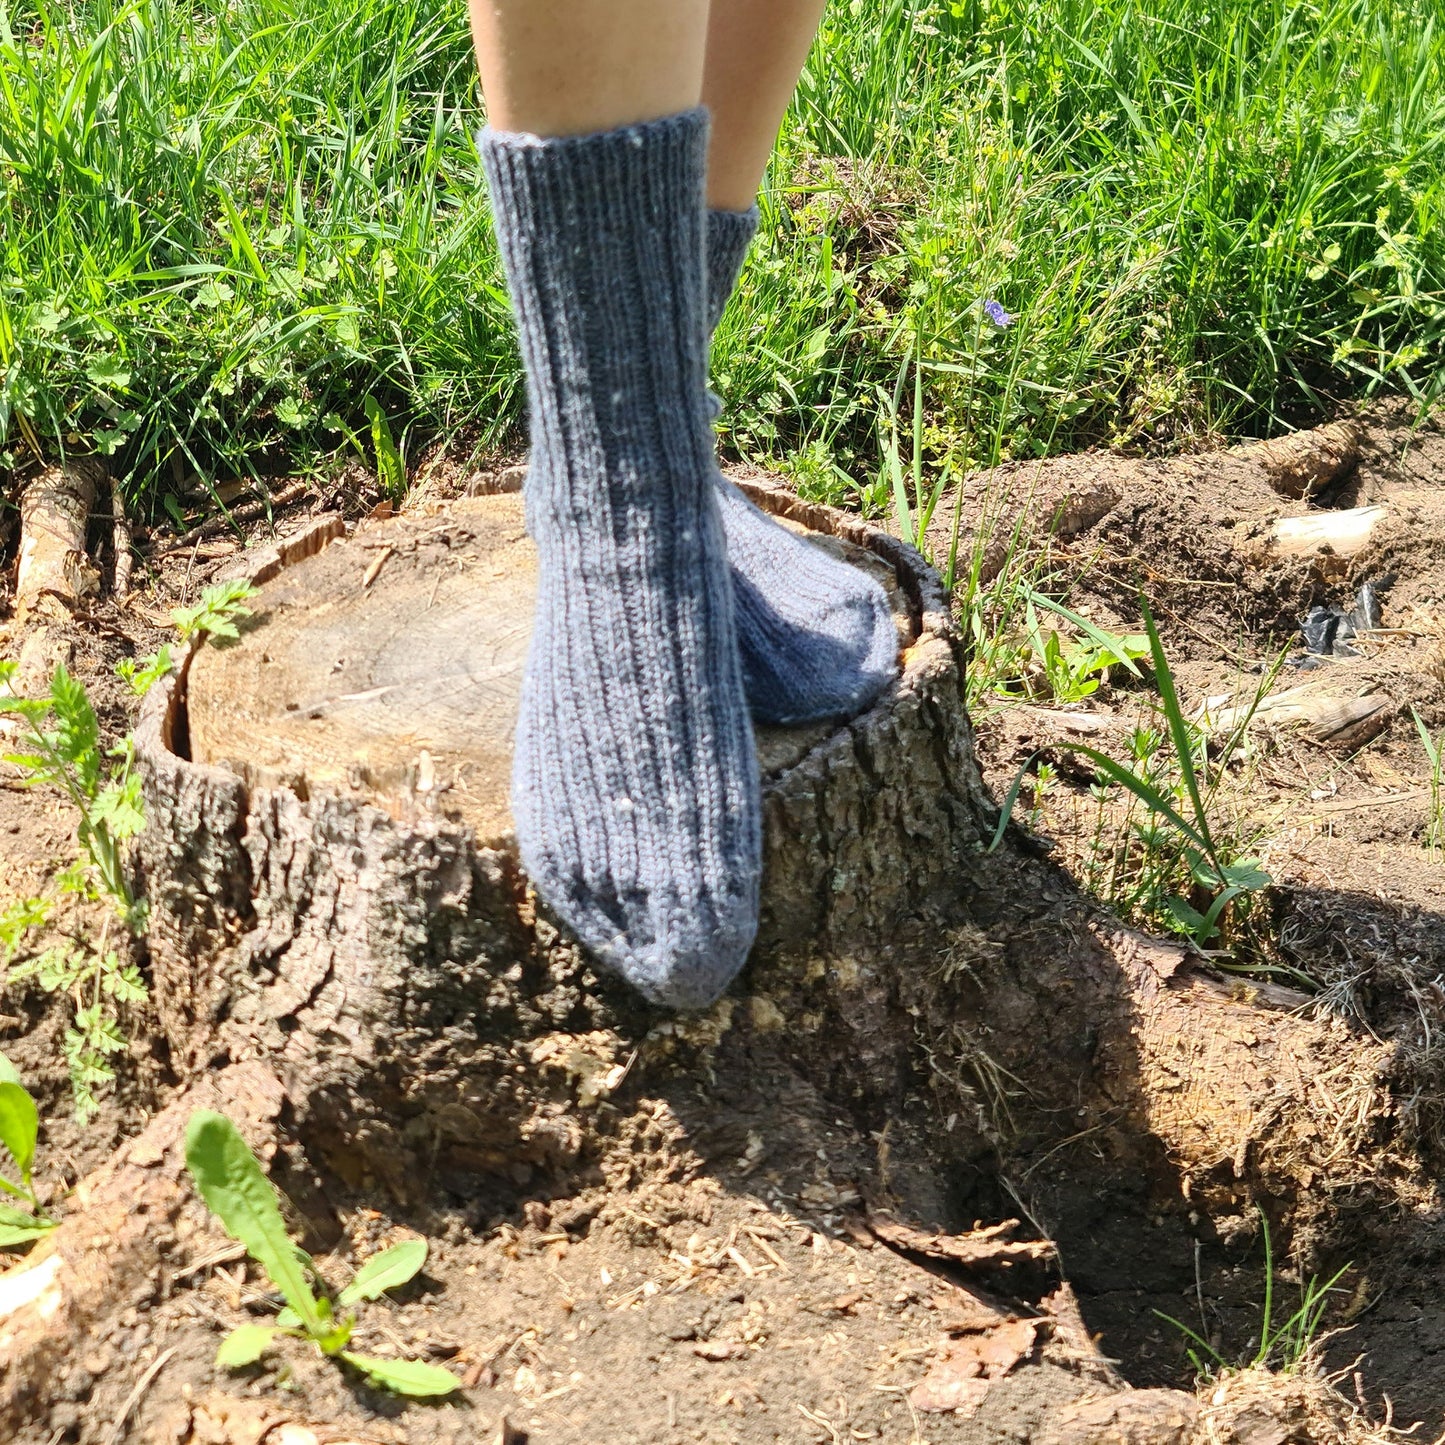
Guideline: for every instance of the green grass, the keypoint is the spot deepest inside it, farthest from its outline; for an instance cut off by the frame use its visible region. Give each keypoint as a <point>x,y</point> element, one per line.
<point>222,229</point>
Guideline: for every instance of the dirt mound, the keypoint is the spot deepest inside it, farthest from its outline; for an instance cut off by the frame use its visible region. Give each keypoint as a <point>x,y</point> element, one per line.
<point>1333,790</point>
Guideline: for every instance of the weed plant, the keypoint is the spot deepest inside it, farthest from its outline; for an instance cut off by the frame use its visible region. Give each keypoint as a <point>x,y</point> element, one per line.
<point>1165,856</point>
<point>60,747</point>
<point>244,236</point>
<point>1435,755</point>
<point>231,1183</point>
<point>1283,1345</point>
<point>19,1130</point>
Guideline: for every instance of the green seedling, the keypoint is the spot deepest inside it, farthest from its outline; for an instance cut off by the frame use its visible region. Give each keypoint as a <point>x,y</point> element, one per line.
<point>1178,827</point>
<point>215,615</point>
<point>140,675</point>
<point>19,1129</point>
<point>1435,753</point>
<point>237,1192</point>
<point>390,469</point>
<point>1282,1346</point>
<point>1074,670</point>
<point>59,746</point>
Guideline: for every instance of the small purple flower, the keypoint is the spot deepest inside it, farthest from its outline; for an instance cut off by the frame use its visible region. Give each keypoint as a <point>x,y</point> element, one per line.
<point>997,314</point>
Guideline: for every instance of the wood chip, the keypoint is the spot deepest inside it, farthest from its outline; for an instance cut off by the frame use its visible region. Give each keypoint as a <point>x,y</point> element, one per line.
<point>987,1248</point>
<point>716,1350</point>
<point>377,564</point>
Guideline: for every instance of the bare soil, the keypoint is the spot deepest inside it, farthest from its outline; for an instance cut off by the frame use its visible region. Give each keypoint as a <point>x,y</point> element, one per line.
<point>712,1275</point>
<point>1357,915</point>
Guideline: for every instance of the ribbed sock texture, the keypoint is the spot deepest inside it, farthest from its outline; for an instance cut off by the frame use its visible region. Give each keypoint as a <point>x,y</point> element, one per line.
<point>635,788</point>
<point>729,234</point>
<point>816,636</point>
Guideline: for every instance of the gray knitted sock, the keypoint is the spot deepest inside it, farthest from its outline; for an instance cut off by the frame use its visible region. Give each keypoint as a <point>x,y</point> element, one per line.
<point>635,789</point>
<point>816,635</point>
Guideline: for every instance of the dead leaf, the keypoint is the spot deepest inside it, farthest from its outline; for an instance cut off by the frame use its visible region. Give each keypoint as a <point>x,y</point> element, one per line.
<point>967,1364</point>
<point>1134,1417</point>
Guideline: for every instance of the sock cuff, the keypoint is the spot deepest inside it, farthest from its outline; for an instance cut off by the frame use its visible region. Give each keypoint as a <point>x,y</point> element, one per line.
<point>632,175</point>
<point>601,237</point>
<point>729,234</point>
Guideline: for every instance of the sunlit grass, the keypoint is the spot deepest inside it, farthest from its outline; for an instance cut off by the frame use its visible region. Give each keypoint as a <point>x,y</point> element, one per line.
<point>223,229</point>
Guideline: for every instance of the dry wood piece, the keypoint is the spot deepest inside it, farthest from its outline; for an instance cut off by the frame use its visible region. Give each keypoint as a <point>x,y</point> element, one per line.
<point>55,572</point>
<point>1328,714</point>
<point>1305,462</point>
<point>1338,534</point>
<point>991,1247</point>
<point>120,542</point>
<point>238,516</point>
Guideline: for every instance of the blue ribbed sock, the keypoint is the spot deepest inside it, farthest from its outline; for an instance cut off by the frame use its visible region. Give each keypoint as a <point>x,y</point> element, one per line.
<point>816,635</point>
<point>635,788</point>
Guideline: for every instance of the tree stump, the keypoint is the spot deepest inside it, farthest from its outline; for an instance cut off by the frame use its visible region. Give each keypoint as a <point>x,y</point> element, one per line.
<point>333,881</point>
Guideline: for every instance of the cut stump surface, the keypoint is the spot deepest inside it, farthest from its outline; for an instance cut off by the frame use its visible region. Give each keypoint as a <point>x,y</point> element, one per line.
<point>389,667</point>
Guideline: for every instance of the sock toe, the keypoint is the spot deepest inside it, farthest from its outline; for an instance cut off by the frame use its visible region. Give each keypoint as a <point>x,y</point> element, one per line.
<point>817,636</point>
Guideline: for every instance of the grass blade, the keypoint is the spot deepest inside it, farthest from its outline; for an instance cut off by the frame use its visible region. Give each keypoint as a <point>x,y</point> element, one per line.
<point>1095,634</point>
<point>1179,734</point>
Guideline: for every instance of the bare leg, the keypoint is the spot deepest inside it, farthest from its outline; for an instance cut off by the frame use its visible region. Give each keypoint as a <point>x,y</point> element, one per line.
<point>755,50</point>
<point>575,67</point>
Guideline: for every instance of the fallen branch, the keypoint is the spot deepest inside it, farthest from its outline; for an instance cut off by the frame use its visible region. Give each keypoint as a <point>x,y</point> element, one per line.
<point>237,517</point>
<point>991,1248</point>
<point>1327,715</point>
